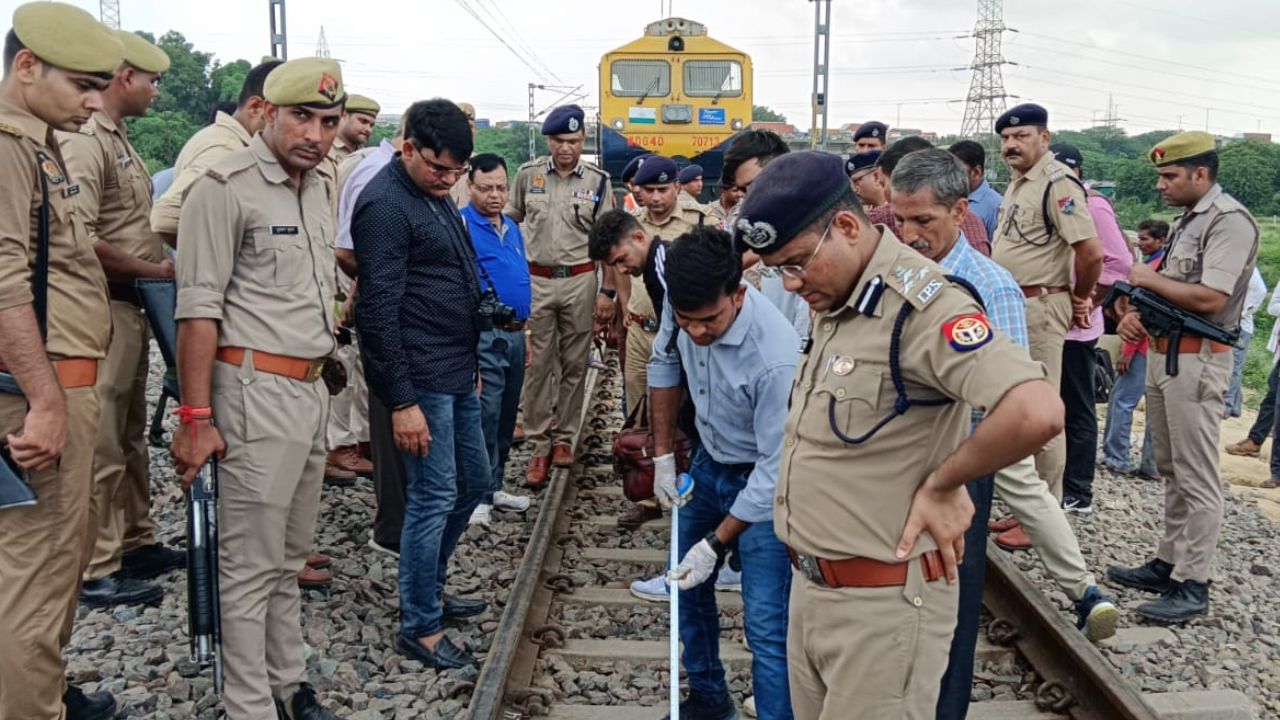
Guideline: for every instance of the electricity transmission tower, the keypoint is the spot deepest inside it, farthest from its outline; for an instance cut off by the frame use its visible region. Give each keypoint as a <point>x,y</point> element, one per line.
<point>109,13</point>
<point>986,100</point>
<point>279,35</point>
<point>322,45</point>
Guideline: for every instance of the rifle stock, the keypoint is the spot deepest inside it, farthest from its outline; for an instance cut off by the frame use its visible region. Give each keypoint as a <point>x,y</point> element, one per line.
<point>1162,318</point>
<point>204,611</point>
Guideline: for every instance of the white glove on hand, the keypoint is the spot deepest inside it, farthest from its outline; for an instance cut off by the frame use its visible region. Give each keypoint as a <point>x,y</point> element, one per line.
<point>664,482</point>
<point>695,568</point>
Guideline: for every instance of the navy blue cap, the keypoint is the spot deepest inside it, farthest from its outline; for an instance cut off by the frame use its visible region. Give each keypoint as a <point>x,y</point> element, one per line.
<point>871,129</point>
<point>690,173</point>
<point>562,120</point>
<point>1068,155</point>
<point>786,197</point>
<point>629,171</point>
<point>1025,114</point>
<point>656,170</point>
<point>862,161</point>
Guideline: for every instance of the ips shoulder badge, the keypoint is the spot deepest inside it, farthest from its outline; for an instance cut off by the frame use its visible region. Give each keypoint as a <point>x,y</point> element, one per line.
<point>968,332</point>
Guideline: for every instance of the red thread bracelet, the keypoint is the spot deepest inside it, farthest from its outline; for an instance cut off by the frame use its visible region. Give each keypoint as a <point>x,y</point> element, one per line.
<point>192,415</point>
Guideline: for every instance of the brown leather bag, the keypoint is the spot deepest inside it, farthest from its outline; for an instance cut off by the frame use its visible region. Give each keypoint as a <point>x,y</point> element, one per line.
<point>633,453</point>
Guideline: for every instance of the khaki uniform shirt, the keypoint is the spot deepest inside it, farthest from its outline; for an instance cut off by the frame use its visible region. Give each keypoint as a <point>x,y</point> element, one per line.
<point>78,312</point>
<point>687,201</point>
<point>262,258</point>
<point>205,148</point>
<point>557,211</point>
<point>677,223</point>
<point>460,193</point>
<point>836,500</point>
<point>115,189</point>
<point>717,211</point>
<point>1023,245</point>
<point>1215,244</point>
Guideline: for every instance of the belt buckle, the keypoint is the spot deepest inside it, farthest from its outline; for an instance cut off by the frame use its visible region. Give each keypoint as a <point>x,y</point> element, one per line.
<point>314,371</point>
<point>650,325</point>
<point>809,565</point>
<point>560,272</point>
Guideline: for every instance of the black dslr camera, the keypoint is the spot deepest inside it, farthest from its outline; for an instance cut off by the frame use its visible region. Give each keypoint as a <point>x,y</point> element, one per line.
<point>493,312</point>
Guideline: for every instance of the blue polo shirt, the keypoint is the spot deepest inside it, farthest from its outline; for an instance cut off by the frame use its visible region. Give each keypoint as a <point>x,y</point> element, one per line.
<point>502,256</point>
<point>985,203</point>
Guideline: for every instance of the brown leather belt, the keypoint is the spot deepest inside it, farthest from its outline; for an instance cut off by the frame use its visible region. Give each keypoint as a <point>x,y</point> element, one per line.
<point>1034,291</point>
<point>123,292</point>
<point>561,271</point>
<point>864,572</point>
<point>648,324</point>
<point>516,326</point>
<point>283,365</point>
<point>73,372</point>
<point>1189,345</point>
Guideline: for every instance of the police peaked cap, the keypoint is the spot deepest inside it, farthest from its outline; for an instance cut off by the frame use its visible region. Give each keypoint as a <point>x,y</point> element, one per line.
<point>1025,114</point>
<point>563,120</point>
<point>1068,155</point>
<point>786,197</point>
<point>656,170</point>
<point>629,172</point>
<point>690,173</point>
<point>862,161</point>
<point>871,129</point>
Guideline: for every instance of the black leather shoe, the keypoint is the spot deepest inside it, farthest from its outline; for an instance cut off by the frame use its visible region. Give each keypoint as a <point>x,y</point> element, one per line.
<point>151,561</point>
<point>1153,576</point>
<point>457,608</point>
<point>697,707</point>
<point>1183,601</point>
<point>303,706</point>
<point>115,589</point>
<point>446,656</point>
<point>98,706</point>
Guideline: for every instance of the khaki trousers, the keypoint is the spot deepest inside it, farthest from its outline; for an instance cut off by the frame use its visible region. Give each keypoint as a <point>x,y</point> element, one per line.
<point>1041,515</point>
<point>869,653</point>
<point>43,551</point>
<point>121,462</point>
<point>349,409</point>
<point>1048,319</point>
<point>269,486</point>
<point>560,331</point>
<point>1185,416</point>
<point>635,376</point>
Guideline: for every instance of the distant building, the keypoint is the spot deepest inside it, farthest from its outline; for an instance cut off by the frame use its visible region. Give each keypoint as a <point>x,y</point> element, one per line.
<point>786,130</point>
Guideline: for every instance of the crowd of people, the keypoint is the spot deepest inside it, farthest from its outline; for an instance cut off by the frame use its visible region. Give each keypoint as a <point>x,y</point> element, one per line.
<point>863,353</point>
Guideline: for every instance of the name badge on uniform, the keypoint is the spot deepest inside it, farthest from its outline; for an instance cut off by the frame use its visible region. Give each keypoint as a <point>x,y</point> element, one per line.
<point>70,191</point>
<point>284,229</point>
<point>585,195</point>
<point>538,185</point>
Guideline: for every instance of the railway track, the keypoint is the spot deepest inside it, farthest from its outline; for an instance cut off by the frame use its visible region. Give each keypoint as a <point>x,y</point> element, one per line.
<point>574,644</point>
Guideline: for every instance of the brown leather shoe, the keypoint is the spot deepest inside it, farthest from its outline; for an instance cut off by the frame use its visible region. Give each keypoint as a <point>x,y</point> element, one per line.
<point>1005,525</point>
<point>536,475</point>
<point>365,450</point>
<point>1245,447</point>
<point>1015,539</point>
<point>348,458</point>
<point>561,455</point>
<point>313,579</point>
<point>317,560</point>
<point>1270,483</point>
<point>338,476</point>
<point>638,514</point>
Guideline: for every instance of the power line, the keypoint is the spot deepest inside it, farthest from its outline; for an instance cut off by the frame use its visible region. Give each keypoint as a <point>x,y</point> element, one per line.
<point>1160,71</point>
<point>505,24</point>
<point>523,60</point>
<point>986,100</point>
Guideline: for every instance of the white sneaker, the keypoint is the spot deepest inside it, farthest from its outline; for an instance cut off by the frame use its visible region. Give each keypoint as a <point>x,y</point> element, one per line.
<point>654,589</point>
<point>375,545</point>
<point>729,580</point>
<point>510,503</point>
<point>749,707</point>
<point>480,516</point>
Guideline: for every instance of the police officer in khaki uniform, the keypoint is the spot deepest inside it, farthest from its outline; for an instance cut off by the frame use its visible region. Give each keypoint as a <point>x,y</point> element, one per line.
<point>115,203</point>
<point>460,193</point>
<point>691,186</point>
<point>557,198</point>
<point>57,59</point>
<point>873,600</point>
<point>255,326</point>
<point>1056,265</point>
<point>357,127</point>
<point>1207,266</point>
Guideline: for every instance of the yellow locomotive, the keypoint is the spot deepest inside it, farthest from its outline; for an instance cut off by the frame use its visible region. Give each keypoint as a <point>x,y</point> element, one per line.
<point>676,92</point>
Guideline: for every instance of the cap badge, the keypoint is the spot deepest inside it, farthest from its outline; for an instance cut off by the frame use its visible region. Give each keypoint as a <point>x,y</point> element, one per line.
<point>328,86</point>
<point>662,177</point>
<point>1015,120</point>
<point>1158,153</point>
<point>757,234</point>
<point>875,133</point>
<point>573,124</point>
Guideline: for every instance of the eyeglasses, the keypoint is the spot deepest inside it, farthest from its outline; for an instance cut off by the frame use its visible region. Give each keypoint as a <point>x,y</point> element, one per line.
<point>486,189</point>
<point>796,272</point>
<point>443,170</point>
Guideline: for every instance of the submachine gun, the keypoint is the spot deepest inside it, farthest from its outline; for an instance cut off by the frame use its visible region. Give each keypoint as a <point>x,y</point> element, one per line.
<point>14,490</point>
<point>1164,319</point>
<point>204,609</point>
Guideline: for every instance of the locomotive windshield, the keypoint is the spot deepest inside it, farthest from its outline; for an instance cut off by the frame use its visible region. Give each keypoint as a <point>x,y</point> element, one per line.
<point>713,78</point>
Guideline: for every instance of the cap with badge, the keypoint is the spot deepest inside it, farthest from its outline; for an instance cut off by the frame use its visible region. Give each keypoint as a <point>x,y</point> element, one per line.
<point>67,37</point>
<point>562,120</point>
<point>1024,114</point>
<point>656,170</point>
<point>141,54</point>
<point>1183,146</point>
<point>860,163</point>
<point>875,130</point>
<point>690,174</point>
<point>305,81</point>
<point>363,105</point>
<point>629,172</point>
<point>468,109</point>
<point>786,197</point>
<point>1068,155</point>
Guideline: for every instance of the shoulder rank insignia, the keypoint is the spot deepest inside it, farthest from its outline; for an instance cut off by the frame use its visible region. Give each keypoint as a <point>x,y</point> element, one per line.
<point>51,171</point>
<point>11,129</point>
<point>968,332</point>
<point>1067,205</point>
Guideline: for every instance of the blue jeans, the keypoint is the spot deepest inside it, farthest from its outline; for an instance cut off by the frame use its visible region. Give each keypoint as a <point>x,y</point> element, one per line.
<point>1239,354</point>
<point>441,491</point>
<point>1125,395</point>
<point>501,356</point>
<point>957,682</point>
<point>766,589</point>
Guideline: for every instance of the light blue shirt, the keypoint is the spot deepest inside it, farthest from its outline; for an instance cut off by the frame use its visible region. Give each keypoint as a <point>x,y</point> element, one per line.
<point>985,203</point>
<point>740,385</point>
<point>354,185</point>
<point>791,305</point>
<point>160,182</point>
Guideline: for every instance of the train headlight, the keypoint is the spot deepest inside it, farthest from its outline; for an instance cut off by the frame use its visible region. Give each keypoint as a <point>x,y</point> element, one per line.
<point>618,124</point>
<point>736,124</point>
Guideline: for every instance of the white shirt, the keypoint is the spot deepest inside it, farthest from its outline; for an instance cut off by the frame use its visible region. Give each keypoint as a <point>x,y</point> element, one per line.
<point>354,185</point>
<point>1252,301</point>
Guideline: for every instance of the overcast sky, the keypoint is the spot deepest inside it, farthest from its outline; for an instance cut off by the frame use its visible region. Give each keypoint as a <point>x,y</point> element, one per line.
<point>1164,62</point>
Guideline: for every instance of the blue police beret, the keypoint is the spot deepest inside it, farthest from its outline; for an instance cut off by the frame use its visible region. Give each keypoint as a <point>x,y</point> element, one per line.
<point>629,171</point>
<point>786,197</point>
<point>1025,114</point>
<point>871,129</point>
<point>562,120</point>
<point>656,170</point>
<point>691,173</point>
<point>862,161</point>
<point>1068,155</point>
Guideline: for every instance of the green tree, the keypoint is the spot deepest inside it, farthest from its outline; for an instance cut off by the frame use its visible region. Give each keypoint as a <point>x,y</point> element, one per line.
<point>761,113</point>
<point>226,80</point>
<point>511,144</point>
<point>186,88</point>
<point>159,136</point>
<point>1248,172</point>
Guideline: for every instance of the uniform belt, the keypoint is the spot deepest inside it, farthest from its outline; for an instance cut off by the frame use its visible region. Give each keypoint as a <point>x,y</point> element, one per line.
<point>561,271</point>
<point>864,572</point>
<point>647,323</point>
<point>123,292</point>
<point>73,372</point>
<point>1188,345</point>
<point>515,326</point>
<point>1034,291</point>
<point>283,365</point>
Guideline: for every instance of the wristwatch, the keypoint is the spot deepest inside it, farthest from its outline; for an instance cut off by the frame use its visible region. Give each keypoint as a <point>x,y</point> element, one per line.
<point>720,548</point>
<point>609,293</point>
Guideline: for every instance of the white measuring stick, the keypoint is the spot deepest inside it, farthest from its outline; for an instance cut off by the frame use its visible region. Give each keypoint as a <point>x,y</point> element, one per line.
<point>684,487</point>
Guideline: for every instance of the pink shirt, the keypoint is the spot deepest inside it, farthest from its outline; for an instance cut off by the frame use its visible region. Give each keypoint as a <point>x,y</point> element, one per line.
<point>1117,260</point>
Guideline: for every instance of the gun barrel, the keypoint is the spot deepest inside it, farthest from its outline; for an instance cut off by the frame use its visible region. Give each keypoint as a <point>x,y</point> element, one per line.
<point>203,606</point>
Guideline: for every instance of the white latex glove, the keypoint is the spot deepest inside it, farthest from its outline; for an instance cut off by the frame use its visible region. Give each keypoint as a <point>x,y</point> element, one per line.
<point>664,482</point>
<point>695,568</point>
